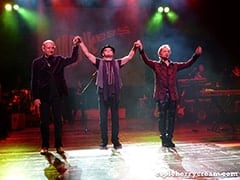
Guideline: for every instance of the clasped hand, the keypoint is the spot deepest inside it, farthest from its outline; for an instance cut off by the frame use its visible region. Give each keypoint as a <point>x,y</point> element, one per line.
<point>76,40</point>
<point>138,44</point>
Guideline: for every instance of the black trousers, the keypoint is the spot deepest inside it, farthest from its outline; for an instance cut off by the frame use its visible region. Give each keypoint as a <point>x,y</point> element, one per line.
<point>51,110</point>
<point>166,118</point>
<point>111,103</point>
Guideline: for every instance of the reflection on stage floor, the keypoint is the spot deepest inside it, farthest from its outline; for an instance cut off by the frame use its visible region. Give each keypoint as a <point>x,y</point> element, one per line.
<point>199,154</point>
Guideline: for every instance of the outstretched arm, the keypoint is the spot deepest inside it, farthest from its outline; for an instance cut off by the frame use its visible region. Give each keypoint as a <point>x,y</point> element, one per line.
<point>193,59</point>
<point>144,56</point>
<point>86,52</point>
<point>130,55</point>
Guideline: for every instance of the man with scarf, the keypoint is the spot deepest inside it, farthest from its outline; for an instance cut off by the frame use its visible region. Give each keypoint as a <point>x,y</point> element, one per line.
<point>108,85</point>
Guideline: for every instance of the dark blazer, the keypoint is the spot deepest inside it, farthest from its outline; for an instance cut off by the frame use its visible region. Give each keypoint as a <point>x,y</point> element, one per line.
<point>45,71</point>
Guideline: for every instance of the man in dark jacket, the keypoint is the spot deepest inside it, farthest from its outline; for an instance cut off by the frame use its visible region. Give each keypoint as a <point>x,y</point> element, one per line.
<point>165,92</point>
<point>48,87</point>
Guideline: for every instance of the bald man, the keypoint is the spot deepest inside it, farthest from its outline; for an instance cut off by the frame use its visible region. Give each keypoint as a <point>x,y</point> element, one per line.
<point>48,87</point>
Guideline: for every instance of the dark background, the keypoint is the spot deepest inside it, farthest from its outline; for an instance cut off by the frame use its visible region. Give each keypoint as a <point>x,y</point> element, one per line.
<point>212,24</point>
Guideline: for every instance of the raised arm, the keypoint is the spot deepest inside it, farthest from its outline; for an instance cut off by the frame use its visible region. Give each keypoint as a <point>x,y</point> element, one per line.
<point>86,52</point>
<point>130,55</point>
<point>198,51</point>
<point>144,56</point>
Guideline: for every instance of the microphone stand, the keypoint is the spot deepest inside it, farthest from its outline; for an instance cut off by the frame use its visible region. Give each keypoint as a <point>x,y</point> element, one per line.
<point>89,82</point>
<point>81,93</point>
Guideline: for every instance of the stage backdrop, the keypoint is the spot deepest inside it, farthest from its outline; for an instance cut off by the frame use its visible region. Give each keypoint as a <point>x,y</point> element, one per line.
<point>117,26</point>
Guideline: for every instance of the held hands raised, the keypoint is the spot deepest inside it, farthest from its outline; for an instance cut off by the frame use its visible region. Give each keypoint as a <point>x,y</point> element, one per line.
<point>138,44</point>
<point>76,40</point>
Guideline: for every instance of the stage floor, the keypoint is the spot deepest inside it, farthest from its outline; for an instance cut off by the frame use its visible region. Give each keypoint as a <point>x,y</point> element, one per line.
<point>200,153</point>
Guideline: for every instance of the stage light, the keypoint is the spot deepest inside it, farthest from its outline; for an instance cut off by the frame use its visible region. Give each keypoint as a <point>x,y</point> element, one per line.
<point>162,9</point>
<point>16,7</point>
<point>32,18</point>
<point>172,17</point>
<point>166,9</point>
<point>167,12</point>
<point>155,22</point>
<point>8,7</point>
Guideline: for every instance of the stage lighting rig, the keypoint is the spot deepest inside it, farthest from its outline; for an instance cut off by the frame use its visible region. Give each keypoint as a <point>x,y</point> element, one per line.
<point>167,12</point>
<point>11,6</point>
<point>163,9</point>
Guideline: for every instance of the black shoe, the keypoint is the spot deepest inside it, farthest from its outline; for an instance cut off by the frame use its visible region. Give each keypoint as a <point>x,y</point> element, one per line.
<point>117,146</point>
<point>168,143</point>
<point>164,141</point>
<point>165,145</point>
<point>44,151</point>
<point>103,146</point>
<point>171,144</point>
<point>60,150</point>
